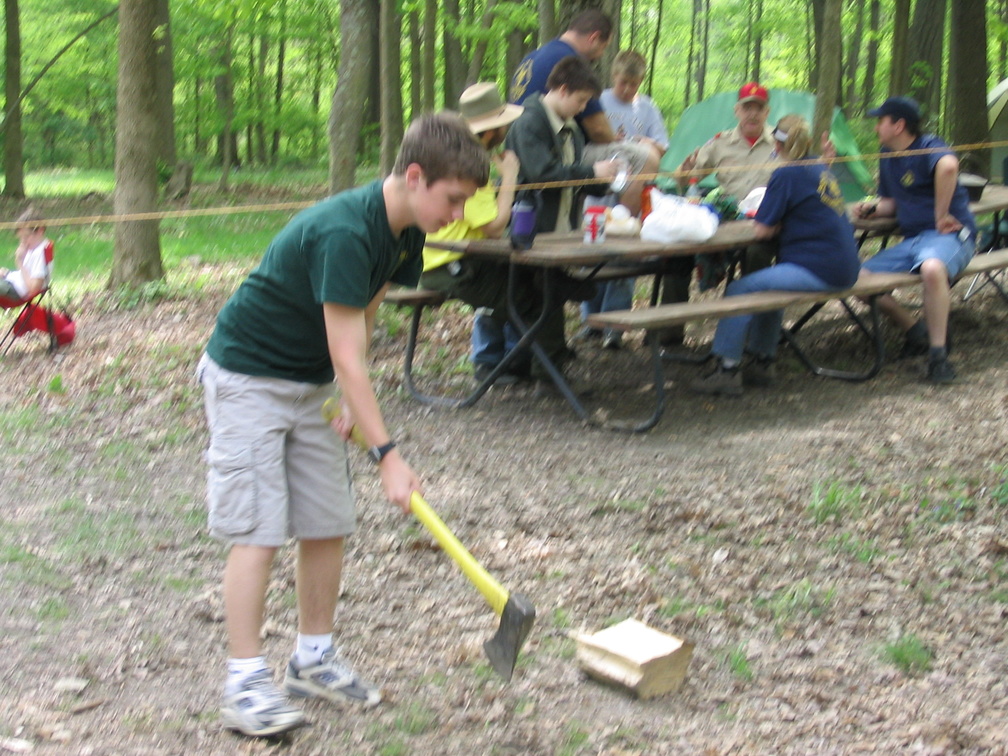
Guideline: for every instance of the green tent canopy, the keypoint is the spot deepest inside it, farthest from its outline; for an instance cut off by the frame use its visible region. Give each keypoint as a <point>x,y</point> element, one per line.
<point>702,121</point>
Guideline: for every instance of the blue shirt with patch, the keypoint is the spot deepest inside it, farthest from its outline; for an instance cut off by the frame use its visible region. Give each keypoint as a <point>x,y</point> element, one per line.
<point>532,73</point>
<point>909,180</point>
<point>805,198</point>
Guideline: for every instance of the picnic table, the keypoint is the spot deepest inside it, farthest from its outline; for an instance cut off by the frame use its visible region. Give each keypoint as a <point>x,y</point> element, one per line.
<point>555,253</point>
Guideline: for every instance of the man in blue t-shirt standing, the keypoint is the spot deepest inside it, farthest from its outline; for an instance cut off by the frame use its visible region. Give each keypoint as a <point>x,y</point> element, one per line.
<point>918,184</point>
<point>588,35</point>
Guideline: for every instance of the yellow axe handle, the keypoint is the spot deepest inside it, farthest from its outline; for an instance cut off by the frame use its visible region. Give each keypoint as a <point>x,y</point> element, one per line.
<point>495,594</point>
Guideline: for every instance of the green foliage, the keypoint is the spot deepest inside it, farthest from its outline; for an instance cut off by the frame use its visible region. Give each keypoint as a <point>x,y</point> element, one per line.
<point>909,654</point>
<point>738,663</point>
<point>834,502</point>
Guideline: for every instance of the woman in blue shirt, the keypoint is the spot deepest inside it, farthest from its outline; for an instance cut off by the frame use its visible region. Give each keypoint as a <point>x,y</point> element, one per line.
<point>804,208</point>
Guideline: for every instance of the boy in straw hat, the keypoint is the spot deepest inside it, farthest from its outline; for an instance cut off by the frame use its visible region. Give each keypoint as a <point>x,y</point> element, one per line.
<point>481,283</point>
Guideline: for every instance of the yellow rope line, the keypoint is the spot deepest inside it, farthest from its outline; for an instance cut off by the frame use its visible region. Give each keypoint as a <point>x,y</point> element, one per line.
<point>300,205</point>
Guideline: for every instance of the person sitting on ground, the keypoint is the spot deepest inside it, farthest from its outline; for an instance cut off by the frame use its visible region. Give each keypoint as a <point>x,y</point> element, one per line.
<point>549,147</point>
<point>277,469</point>
<point>480,282</point>
<point>31,271</point>
<point>804,208</point>
<point>918,184</point>
<point>587,35</point>
<point>635,117</point>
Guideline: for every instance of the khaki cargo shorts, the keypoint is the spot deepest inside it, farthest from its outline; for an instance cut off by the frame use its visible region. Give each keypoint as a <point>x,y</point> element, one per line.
<point>276,468</point>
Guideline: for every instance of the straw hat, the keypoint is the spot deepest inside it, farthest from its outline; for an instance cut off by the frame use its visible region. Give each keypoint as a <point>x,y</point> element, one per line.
<point>483,109</point>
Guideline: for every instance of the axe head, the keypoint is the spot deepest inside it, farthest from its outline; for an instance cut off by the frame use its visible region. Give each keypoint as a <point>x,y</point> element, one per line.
<point>515,622</point>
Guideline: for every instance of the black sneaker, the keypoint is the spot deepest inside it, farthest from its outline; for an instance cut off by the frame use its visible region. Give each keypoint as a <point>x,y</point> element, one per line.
<point>482,371</point>
<point>915,341</point>
<point>759,372</point>
<point>940,371</point>
<point>720,381</point>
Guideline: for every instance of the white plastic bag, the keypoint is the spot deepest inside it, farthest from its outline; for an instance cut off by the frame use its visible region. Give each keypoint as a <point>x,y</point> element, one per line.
<point>673,219</point>
<point>750,204</point>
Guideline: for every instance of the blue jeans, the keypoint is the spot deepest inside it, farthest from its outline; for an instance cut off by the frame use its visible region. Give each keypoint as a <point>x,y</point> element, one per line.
<point>489,342</point>
<point>612,295</point>
<point>761,330</point>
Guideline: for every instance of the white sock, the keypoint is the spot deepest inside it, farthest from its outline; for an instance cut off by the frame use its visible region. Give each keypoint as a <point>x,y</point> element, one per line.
<point>240,669</point>
<point>310,648</point>
<point>729,364</point>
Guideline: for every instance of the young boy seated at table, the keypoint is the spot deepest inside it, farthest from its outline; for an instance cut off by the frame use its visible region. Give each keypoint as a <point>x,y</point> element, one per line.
<point>482,283</point>
<point>633,116</point>
<point>549,146</point>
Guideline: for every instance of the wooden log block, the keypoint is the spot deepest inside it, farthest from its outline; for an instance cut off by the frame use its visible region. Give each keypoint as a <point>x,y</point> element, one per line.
<point>632,655</point>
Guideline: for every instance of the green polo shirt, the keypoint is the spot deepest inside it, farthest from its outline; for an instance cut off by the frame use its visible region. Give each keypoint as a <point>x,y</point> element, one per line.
<point>341,251</point>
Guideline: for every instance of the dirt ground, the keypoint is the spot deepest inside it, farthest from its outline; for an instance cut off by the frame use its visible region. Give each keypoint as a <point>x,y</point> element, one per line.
<point>837,552</point>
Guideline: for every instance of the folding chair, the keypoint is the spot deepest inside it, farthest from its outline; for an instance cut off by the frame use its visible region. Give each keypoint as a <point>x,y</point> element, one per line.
<point>56,323</point>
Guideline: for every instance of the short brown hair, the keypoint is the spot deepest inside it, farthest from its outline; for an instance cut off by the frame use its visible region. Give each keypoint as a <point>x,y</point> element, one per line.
<point>629,63</point>
<point>444,147</point>
<point>575,73</point>
<point>591,21</point>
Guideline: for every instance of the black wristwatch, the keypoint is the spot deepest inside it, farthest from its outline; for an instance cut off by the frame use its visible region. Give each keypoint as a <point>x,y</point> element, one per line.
<point>377,453</point>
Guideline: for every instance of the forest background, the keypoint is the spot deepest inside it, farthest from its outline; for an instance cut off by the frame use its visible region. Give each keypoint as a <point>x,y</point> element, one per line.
<point>124,94</point>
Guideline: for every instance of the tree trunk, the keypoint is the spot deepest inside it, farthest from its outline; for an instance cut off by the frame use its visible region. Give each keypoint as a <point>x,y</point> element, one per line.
<point>818,10</point>
<point>704,50</point>
<point>899,75</point>
<point>547,21</point>
<point>654,46</point>
<point>454,63</point>
<point>968,83</point>
<point>224,92</point>
<point>757,69</point>
<point>165,77</point>
<point>416,65</point>
<point>136,255</point>
<point>927,34</point>
<point>390,64</point>
<point>480,48</point>
<point>693,52</point>
<point>257,72</point>
<point>871,64</point>
<point>853,56</point>
<point>429,54</point>
<point>12,137</point>
<point>828,47</point>
<point>357,19</point>
<point>278,87</point>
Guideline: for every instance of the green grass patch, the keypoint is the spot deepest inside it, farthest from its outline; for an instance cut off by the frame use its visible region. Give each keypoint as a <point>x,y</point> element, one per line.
<point>834,502</point>
<point>865,551</point>
<point>575,740</point>
<point>53,609</point>
<point>909,654</point>
<point>416,720</point>
<point>796,601</point>
<point>737,661</point>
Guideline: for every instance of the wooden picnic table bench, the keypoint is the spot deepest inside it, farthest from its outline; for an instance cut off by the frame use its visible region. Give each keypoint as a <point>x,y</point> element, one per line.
<point>868,290</point>
<point>621,257</point>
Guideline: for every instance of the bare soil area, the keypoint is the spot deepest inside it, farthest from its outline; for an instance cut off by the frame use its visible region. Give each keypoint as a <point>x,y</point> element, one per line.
<point>837,552</point>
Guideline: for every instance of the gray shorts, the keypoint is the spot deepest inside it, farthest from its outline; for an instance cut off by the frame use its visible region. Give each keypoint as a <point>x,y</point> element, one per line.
<point>276,467</point>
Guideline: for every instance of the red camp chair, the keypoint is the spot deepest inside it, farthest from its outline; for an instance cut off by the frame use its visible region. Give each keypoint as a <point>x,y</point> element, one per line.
<point>33,316</point>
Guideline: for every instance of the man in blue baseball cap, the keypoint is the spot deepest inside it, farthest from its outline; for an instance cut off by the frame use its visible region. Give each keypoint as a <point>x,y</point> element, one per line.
<point>918,184</point>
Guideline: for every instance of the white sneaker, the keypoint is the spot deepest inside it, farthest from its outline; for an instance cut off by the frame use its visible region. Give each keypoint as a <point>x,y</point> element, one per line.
<point>331,679</point>
<point>259,709</point>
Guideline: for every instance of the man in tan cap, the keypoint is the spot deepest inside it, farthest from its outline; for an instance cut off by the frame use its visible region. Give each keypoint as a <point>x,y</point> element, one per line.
<point>477,282</point>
